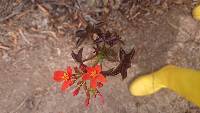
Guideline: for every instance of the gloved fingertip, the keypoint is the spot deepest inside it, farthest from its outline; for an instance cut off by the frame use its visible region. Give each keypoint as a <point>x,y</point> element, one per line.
<point>144,85</point>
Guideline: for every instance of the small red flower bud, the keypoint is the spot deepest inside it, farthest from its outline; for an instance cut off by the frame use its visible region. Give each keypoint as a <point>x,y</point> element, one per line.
<point>78,83</point>
<point>87,102</point>
<point>85,86</point>
<point>83,67</point>
<point>76,91</point>
<point>88,94</point>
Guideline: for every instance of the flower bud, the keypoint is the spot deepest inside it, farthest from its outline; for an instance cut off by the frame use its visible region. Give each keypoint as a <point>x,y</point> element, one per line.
<point>76,91</point>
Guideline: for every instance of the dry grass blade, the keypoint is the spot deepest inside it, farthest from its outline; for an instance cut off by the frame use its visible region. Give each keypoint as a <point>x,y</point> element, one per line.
<point>43,9</point>
<point>4,47</point>
<point>23,36</point>
<point>51,33</point>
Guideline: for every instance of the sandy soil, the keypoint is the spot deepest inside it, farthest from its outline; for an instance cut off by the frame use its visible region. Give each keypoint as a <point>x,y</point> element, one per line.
<point>31,56</point>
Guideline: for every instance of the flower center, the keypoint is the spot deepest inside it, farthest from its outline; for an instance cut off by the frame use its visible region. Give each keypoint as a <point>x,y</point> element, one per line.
<point>66,76</point>
<point>93,74</point>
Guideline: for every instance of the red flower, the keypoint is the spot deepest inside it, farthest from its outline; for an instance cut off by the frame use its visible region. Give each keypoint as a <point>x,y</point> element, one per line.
<point>94,75</point>
<point>60,76</point>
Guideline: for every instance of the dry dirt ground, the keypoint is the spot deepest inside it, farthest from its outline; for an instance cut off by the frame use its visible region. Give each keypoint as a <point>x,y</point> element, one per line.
<point>27,65</point>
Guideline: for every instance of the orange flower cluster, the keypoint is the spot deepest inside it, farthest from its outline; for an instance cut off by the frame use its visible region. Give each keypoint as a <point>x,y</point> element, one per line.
<point>82,76</point>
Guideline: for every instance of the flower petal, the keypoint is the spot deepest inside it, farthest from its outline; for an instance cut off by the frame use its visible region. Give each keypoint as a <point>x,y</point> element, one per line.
<point>98,68</point>
<point>101,78</point>
<point>58,76</point>
<point>69,71</point>
<point>71,82</point>
<point>89,69</point>
<point>65,85</point>
<point>86,76</point>
<point>93,84</point>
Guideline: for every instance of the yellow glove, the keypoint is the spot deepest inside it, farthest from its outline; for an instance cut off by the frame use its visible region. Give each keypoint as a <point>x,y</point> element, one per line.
<point>185,82</point>
<point>196,12</point>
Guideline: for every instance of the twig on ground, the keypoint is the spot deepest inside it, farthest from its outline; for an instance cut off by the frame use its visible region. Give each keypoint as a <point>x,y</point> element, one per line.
<point>14,38</point>
<point>181,30</point>
<point>19,106</point>
<point>23,36</point>
<point>67,25</point>
<point>22,14</point>
<point>43,9</point>
<point>4,47</point>
<point>50,32</point>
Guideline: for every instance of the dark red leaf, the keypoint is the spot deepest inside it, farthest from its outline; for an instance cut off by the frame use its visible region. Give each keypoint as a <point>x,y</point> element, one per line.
<point>86,33</point>
<point>122,53</point>
<point>108,38</point>
<point>82,35</point>
<point>125,63</point>
<point>78,57</point>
